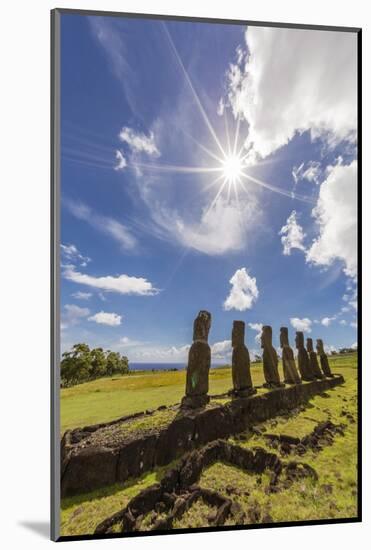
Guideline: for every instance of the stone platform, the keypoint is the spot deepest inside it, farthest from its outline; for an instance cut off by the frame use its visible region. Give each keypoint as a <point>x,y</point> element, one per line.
<point>98,456</point>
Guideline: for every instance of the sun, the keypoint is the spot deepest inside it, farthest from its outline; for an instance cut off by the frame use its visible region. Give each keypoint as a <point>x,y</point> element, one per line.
<point>232,168</point>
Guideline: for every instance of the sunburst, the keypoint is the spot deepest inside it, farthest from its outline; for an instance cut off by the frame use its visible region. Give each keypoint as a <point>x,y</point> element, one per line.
<point>229,163</point>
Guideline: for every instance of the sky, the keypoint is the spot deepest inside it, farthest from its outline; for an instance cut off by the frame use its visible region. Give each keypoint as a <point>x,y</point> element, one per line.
<point>206,166</point>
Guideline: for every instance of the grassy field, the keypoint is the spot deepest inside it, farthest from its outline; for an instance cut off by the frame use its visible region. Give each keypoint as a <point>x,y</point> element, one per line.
<point>334,495</point>
<point>105,399</point>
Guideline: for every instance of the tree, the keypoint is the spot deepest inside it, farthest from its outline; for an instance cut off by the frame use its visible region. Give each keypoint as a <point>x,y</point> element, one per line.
<point>123,365</point>
<point>113,362</point>
<point>82,364</point>
<point>76,364</point>
<point>98,363</point>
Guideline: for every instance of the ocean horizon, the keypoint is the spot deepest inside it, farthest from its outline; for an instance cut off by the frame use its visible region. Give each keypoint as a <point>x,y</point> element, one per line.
<point>163,366</point>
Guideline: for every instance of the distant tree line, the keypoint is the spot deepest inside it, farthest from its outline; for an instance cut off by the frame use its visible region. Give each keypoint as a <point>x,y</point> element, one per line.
<point>347,350</point>
<point>82,364</point>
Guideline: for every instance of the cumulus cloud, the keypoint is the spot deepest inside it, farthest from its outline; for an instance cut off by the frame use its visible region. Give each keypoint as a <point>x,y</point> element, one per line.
<point>122,284</point>
<point>104,224</point>
<point>292,235</point>
<point>125,341</point>
<point>336,217</point>
<point>219,350</point>
<point>258,327</point>
<point>81,295</point>
<point>326,321</point>
<point>72,315</point>
<point>303,325</point>
<point>293,80</point>
<point>343,322</point>
<point>70,253</point>
<point>170,354</point>
<point>139,142</point>
<point>310,172</point>
<point>244,291</point>
<point>104,318</point>
<point>121,161</point>
<point>355,345</point>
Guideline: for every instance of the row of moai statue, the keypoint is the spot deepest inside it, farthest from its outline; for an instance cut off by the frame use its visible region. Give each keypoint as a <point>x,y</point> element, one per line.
<point>199,361</point>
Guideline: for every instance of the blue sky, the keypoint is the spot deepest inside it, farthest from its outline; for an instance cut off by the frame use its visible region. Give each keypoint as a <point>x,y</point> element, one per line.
<point>205,166</point>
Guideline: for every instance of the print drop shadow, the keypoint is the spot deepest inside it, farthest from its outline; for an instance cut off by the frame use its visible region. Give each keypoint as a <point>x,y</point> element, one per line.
<point>41,528</point>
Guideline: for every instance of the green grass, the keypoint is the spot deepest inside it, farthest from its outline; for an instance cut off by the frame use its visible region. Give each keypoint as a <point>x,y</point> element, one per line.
<point>81,514</point>
<point>109,398</point>
<point>106,399</point>
<point>333,496</point>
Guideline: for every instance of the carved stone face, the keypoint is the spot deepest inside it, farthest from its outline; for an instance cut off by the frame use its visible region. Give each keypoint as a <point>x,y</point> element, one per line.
<point>299,340</point>
<point>309,344</point>
<point>284,336</point>
<point>238,333</point>
<point>319,346</point>
<point>201,326</point>
<point>266,337</point>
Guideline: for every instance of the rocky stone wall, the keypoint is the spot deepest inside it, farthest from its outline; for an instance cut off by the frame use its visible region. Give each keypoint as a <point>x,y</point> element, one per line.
<point>89,467</point>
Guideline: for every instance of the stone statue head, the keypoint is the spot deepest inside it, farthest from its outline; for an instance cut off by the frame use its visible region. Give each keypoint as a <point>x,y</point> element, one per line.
<point>284,336</point>
<point>201,326</point>
<point>238,333</point>
<point>309,345</point>
<point>266,336</point>
<point>319,346</point>
<point>299,340</point>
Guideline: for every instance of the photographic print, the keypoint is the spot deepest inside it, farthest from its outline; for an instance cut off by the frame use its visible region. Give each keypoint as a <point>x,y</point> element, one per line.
<point>205,341</point>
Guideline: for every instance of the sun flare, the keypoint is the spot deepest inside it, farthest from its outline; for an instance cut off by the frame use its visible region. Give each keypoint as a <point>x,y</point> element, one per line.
<point>232,168</point>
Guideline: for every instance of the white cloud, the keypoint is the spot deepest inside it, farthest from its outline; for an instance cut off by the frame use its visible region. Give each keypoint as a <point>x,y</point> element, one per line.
<point>303,325</point>
<point>72,315</point>
<point>326,321</point>
<point>139,142</point>
<point>310,172</point>
<point>244,291</point>
<point>125,341</point>
<point>111,39</point>
<point>292,235</point>
<point>354,324</point>
<point>122,284</point>
<point>221,228</point>
<point>82,295</point>
<point>355,345</point>
<point>293,80</point>
<point>221,107</point>
<point>104,318</point>
<point>343,322</point>
<point>220,350</point>
<point>170,354</point>
<point>121,161</point>
<point>258,327</point>
<point>351,296</point>
<point>70,253</point>
<point>104,224</point>
<point>336,216</point>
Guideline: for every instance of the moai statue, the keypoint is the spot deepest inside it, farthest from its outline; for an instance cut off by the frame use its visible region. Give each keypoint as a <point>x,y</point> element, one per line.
<point>270,360</point>
<point>313,360</point>
<point>323,359</point>
<point>241,376</point>
<point>290,373</point>
<point>303,359</point>
<point>199,359</point>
